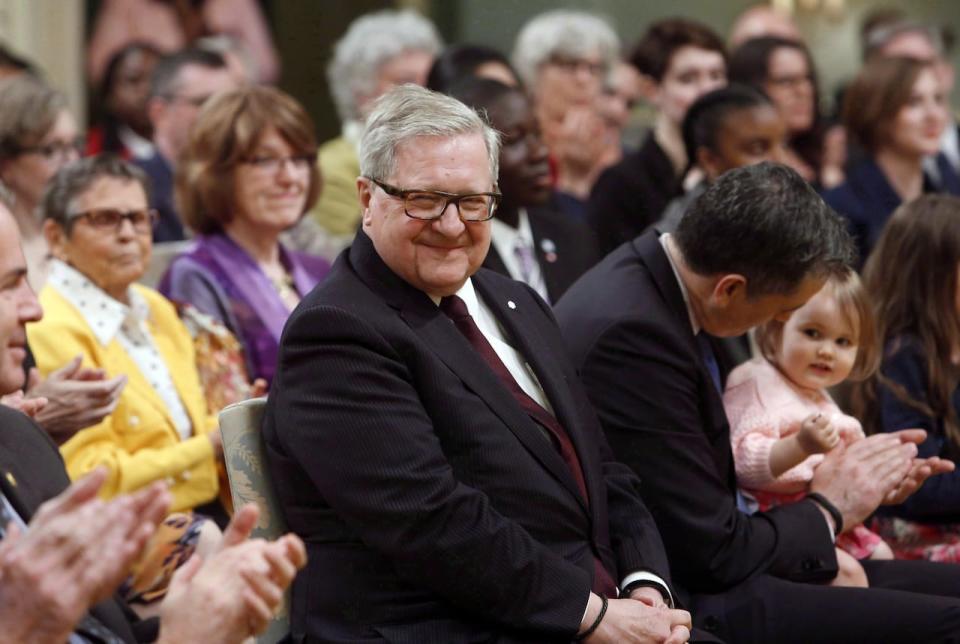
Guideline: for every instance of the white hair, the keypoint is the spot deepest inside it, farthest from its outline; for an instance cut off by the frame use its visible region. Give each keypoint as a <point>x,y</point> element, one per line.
<point>371,41</point>
<point>410,111</point>
<point>572,34</point>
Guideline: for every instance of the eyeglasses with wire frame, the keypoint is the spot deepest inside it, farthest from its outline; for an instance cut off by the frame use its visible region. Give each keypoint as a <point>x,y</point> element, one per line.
<point>272,164</point>
<point>110,219</point>
<point>427,205</point>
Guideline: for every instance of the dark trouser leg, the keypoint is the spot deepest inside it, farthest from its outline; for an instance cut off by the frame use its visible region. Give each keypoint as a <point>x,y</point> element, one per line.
<point>767,609</point>
<point>916,576</point>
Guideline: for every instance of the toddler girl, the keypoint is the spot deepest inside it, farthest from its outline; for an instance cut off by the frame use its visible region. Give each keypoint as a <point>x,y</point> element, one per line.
<point>782,420</point>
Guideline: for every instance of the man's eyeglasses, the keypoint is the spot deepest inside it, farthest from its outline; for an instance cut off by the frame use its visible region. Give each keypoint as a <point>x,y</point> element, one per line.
<point>272,165</point>
<point>60,150</point>
<point>431,204</point>
<point>110,219</point>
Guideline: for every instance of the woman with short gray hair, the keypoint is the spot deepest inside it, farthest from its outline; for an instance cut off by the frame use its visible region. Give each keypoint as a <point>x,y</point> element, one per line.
<point>98,225</point>
<point>38,136</point>
<point>564,57</point>
<point>379,50</point>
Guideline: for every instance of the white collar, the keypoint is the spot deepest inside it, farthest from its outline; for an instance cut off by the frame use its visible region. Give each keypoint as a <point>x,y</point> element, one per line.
<point>505,232</point>
<point>352,131</point>
<point>469,296</point>
<point>694,325</point>
<point>140,148</point>
<point>105,315</point>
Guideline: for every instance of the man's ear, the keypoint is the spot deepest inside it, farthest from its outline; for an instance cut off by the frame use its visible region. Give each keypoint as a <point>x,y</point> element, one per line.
<point>365,193</point>
<point>56,238</point>
<point>729,288</point>
<point>156,107</point>
<point>708,162</point>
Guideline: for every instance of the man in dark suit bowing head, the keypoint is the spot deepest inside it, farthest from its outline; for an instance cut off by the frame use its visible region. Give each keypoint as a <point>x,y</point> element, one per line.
<point>641,326</point>
<point>427,437</point>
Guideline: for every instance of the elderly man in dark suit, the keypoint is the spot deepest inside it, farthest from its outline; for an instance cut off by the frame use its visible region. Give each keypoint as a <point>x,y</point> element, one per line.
<point>642,328</point>
<point>427,437</point>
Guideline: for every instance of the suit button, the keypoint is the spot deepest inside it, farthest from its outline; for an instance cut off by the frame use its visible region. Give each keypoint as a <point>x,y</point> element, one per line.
<point>134,421</point>
<point>711,623</point>
<point>185,476</point>
<point>806,564</point>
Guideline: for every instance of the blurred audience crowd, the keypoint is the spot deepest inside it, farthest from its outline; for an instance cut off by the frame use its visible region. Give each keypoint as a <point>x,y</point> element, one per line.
<point>728,327</point>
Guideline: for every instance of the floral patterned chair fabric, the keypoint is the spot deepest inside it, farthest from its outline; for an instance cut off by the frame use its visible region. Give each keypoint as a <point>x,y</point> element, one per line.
<point>246,468</point>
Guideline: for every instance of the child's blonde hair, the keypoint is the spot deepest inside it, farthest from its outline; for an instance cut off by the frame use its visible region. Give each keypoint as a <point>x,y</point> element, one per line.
<point>854,302</point>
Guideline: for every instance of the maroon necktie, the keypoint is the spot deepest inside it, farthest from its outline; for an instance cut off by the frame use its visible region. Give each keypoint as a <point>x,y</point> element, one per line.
<point>456,310</point>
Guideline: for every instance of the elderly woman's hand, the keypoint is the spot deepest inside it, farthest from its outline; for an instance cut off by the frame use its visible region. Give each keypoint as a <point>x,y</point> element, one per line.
<point>77,397</point>
<point>583,150</point>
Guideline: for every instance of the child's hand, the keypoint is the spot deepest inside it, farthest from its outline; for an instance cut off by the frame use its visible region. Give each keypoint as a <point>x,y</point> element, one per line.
<point>817,434</point>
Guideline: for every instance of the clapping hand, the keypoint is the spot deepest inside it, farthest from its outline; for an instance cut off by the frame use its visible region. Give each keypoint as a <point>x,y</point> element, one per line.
<point>75,553</point>
<point>77,397</point>
<point>236,591</point>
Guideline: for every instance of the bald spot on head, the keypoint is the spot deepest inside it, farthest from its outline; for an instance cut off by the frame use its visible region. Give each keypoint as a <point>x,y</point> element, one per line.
<point>762,20</point>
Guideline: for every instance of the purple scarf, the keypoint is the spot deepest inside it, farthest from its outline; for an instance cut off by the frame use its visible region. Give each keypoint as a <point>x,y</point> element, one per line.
<point>257,308</point>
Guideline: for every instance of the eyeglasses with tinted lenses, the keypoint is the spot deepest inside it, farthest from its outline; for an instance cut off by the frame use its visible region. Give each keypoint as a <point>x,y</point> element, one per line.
<point>271,165</point>
<point>431,204</point>
<point>110,219</point>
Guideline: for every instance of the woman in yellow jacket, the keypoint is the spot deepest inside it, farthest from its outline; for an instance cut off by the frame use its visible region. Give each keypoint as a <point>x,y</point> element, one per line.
<point>99,227</point>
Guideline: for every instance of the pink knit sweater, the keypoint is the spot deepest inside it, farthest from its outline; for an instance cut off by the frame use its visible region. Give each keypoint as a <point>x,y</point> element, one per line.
<point>763,407</point>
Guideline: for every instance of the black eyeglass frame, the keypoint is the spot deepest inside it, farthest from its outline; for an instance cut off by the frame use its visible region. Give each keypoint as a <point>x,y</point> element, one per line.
<point>152,217</point>
<point>50,150</point>
<point>449,197</point>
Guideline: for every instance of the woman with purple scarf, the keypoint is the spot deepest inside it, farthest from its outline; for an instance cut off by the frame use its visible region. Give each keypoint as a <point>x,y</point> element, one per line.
<point>247,174</point>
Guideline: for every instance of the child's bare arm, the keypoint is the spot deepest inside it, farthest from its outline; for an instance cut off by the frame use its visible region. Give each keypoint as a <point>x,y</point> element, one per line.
<point>816,436</point>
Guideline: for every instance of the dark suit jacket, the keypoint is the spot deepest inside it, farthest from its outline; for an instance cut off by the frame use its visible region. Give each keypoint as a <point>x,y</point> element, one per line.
<point>564,248</point>
<point>866,200</point>
<point>905,363</point>
<point>432,506</point>
<point>629,333</point>
<point>631,195</point>
<point>31,472</point>
<point>169,227</point>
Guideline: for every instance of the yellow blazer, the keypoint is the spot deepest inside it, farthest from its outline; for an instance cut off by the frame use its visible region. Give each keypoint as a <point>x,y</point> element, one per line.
<point>138,442</point>
<point>338,208</point>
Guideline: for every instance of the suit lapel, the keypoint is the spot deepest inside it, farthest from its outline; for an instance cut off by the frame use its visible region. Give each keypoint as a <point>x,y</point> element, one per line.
<point>523,333</point>
<point>653,256</point>
<point>9,485</point>
<point>494,262</point>
<point>545,249</point>
<point>440,334</point>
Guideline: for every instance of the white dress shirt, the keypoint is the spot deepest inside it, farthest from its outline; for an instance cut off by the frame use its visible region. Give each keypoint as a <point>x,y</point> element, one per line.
<point>108,319</point>
<point>506,239</point>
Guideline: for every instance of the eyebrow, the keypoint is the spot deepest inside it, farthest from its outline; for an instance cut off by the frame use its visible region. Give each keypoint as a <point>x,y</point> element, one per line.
<point>14,275</point>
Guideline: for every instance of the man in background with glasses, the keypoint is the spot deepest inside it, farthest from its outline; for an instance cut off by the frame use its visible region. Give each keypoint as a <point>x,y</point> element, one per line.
<point>181,84</point>
<point>429,440</point>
